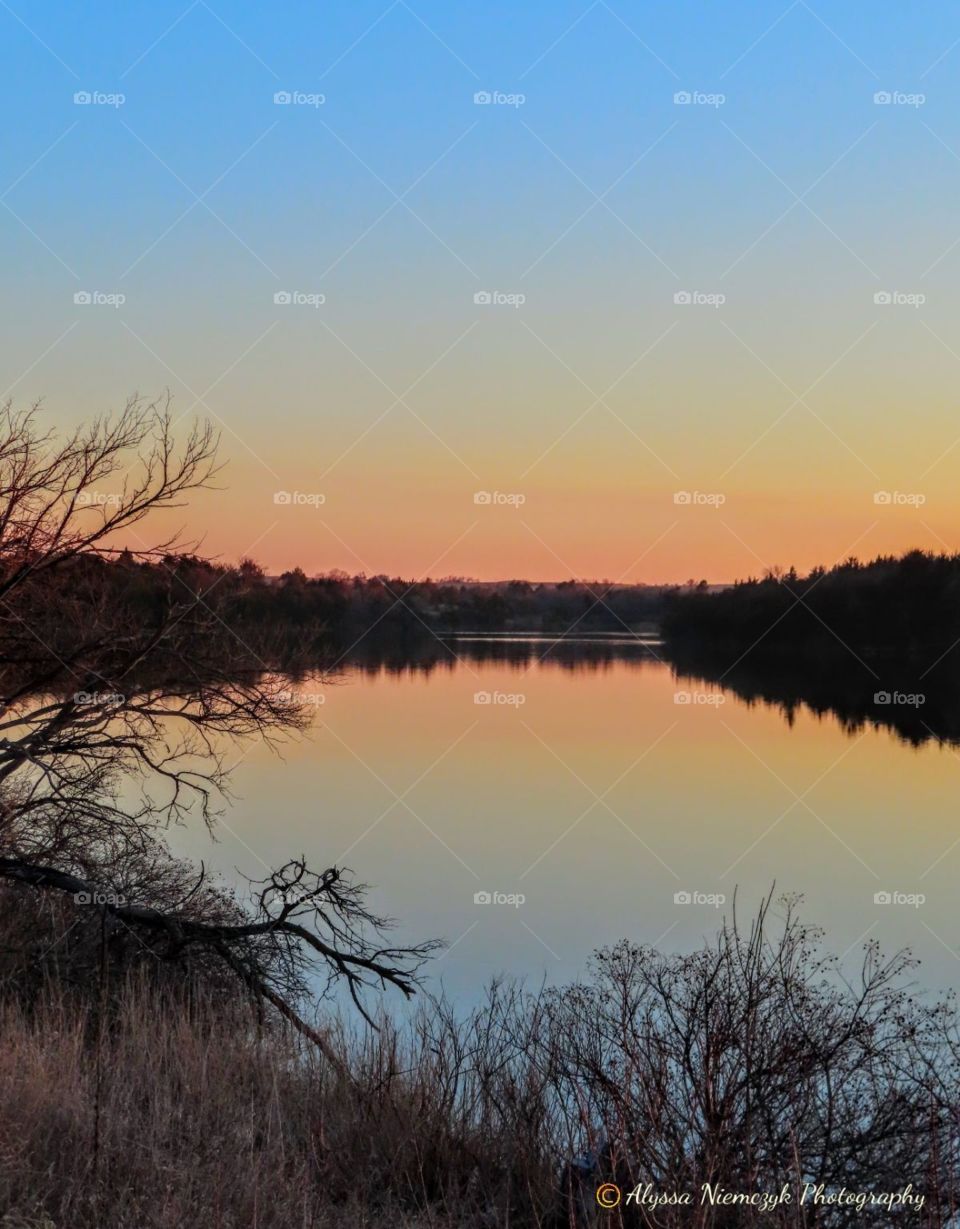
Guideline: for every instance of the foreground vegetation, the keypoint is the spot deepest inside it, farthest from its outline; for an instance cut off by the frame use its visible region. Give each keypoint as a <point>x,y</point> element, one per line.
<point>133,1097</point>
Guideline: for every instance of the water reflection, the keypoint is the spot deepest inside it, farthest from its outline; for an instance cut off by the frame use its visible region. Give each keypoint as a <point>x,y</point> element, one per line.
<point>571,653</point>
<point>914,702</point>
<point>603,801</point>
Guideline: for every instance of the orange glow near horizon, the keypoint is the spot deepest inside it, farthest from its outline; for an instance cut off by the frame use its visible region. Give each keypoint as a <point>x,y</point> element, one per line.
<point>647,537</point>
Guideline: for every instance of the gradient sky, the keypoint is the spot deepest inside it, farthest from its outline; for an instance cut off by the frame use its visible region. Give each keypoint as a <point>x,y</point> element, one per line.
<point>599,199</point>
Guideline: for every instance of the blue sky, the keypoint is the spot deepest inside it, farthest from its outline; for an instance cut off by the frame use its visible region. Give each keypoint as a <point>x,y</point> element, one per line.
<point>103,197</point>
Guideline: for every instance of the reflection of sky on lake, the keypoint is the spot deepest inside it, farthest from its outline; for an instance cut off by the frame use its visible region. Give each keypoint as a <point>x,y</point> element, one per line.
<point>597,796</point>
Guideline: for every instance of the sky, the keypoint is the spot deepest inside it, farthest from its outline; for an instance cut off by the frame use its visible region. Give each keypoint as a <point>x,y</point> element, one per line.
<point>715,248</point>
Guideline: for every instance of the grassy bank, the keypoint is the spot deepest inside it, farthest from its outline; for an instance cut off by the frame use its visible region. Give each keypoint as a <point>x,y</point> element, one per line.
<point>182,1116</point>
<point>748,1063</point>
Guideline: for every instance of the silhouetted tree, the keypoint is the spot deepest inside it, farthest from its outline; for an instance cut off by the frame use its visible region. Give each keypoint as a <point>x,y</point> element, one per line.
<point>120,664</point>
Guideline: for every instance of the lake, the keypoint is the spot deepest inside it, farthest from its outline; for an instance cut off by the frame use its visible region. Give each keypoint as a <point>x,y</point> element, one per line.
<point>528,801</point>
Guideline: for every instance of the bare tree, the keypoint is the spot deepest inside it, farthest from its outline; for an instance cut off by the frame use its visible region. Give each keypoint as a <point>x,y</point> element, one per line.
<point>100,689</point>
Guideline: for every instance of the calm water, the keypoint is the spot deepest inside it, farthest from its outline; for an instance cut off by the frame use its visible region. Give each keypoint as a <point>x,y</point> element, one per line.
<point>569,779</point>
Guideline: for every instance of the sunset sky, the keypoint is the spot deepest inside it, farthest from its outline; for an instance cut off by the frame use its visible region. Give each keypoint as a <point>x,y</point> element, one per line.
<point>783,185</point>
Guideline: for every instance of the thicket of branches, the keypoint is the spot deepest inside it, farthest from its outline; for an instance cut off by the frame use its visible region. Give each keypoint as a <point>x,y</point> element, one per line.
<point>107,685</point>
<point>750,1063</point>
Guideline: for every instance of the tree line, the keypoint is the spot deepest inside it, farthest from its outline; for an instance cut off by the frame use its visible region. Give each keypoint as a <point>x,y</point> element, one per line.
<point>336,607</point>
<point>905,605</point>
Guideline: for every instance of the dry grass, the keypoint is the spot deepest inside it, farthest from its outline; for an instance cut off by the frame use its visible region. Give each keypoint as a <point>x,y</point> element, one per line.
<point>176,1116</point>
<point>155,1107</point>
